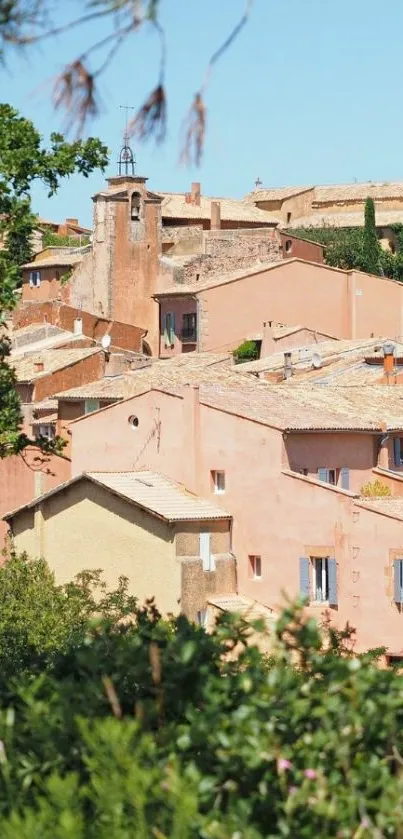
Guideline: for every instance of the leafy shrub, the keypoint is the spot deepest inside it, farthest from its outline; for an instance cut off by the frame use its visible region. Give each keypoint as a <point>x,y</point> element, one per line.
<point>375,489</point>
<point>247,351</point>
<point>147,728</point>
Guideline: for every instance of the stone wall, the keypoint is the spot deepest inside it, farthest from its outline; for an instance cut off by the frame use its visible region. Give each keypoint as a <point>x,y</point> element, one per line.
<point>232,250</point>
<point>198,585</point>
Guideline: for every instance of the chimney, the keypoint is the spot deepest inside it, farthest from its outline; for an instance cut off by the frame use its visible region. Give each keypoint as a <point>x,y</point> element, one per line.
<point>268,343</point>
<point>195,193</point>
<point>73,221</point>
<point>39,365</point>
<point>116,365</point>
<point>388,359</point>
<point>215,223</point>
<point>287,373</point>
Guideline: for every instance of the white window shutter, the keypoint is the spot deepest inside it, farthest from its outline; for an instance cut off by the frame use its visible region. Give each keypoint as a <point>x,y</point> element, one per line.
<point>205,550</point>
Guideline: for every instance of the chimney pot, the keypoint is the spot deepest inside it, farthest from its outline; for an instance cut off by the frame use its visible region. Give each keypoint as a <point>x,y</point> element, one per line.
<point>73,221</point>
<point>388,349</point>
<point>195,193</point>
<point>39,365</point>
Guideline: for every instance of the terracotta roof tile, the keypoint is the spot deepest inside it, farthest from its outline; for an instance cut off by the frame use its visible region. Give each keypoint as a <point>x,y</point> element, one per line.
<point>175,206</point>
<point>358,191</point>
<point>150,491</point>
<point>53,360</point>
<point>387,506</point>
<point>304,408</point>
<point>383,219</point>
<point>277,193</point>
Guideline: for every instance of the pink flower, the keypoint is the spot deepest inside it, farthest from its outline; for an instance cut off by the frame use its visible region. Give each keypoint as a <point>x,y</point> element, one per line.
<point>311,774</point>
<point>292,790</point>
<point>283,764</point>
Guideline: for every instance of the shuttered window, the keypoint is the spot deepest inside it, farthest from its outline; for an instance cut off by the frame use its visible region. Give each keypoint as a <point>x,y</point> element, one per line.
<point>169,329</point>
<point>398,580</point>
<point>318,579</point>
<point>304,582</point>
<point>397,451</point>
<point>344,478</point>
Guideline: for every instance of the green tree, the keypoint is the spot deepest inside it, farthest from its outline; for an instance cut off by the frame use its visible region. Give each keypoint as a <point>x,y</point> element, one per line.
<point>144,727</point>
<point>371,247</point>
<point>25,159</point>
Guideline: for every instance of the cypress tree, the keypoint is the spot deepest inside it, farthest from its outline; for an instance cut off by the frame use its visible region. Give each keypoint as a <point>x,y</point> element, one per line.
<point>371,247</point>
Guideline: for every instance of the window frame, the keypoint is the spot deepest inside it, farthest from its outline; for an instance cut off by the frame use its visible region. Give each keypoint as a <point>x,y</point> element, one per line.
<point>323,571</point>
<point>50,428</point>
<point>255,566</point>
<point>91,410</point>
<point>34,278</point>
<point>215,476</point>
<point>189,331</point>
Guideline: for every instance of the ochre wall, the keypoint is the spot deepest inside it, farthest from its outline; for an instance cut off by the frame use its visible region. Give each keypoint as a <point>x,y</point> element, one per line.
<point>333,451</point>
<point>86,527</point>
<point>87,370</point>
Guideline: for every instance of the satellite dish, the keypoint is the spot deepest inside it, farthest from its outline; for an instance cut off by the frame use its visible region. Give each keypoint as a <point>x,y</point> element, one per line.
<point>106,341</point>
<point>317,361</point>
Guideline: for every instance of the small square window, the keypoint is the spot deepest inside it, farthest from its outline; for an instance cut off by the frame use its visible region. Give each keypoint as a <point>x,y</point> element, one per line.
<point>255,567</point>
<point>219,482</point>
<point>202,618</point>
<point>34,279</point>
<point>91,405</point>
<point>46,430</point>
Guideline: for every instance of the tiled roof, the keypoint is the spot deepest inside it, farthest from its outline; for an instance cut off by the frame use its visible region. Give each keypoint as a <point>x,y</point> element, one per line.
<point>304,408</point>
<point>301,357</point>
<point>387,506</point>
<point>175,206</point>
<point>45,405</point>
<point>383,219</point>
<point>277,193</point>
<point>148,490</point>
<point>178,371</point>
<point>53,360</point>
<point>62,259</point>
<point>358,191</point>
<point>249,609</point>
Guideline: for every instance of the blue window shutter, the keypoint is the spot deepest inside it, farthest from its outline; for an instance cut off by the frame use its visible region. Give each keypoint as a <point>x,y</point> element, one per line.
<point>345,478</point>
<point>398,580</point>
<point>323,475</point>
<point>172,332</point>
<point>332,569</point>
<point>304,586</point>
<point>396,450</point>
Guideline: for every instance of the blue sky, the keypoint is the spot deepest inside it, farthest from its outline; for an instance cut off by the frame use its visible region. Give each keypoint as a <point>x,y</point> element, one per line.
<point>309,93</point>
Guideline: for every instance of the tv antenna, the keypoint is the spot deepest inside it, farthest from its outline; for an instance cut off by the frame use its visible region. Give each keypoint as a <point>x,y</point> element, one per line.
<point>127,160</point>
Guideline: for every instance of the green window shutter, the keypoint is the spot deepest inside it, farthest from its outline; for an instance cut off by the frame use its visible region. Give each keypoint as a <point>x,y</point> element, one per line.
<point>323,475</point>
<point>304,583</point>
<point>172,330</point>
<point>396,450</point>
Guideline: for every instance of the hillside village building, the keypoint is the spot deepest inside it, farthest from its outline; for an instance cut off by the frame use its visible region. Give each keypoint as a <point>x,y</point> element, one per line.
<point>214,485</point>
<point>338,205</point>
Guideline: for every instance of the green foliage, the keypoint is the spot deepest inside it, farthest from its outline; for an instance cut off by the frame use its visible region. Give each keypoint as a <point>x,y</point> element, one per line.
<point>24,160</point>
<point>371,247</point>
<point>247,351</point>
<point>51,239</point>
<point>149,728</point>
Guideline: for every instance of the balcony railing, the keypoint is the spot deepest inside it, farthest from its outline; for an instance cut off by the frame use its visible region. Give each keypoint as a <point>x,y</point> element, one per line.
<point>189,336</point>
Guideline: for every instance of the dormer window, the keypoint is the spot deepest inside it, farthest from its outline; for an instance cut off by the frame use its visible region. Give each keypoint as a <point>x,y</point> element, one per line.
<point>135,206</point>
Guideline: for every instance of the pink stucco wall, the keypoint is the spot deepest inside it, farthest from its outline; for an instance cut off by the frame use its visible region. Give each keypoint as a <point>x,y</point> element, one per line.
<point>277,515</point>
<point>358,452</point>
<point>24,477</point>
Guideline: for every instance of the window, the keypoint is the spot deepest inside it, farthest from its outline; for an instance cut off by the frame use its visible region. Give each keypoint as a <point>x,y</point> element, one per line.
<point>133,421</point>
<point>34,279</point>
<point>169,329</point>
<point>91,405</point>
<point>255,567</point>
<point>398,451</point>
<point>189,327</point>
<point>57,275</point>
<point>135,206</point>
<point>45,429</point>
<point>202,618</point>
<point>335,477</point>
<point>398,580</point>
<point>205,551</point>
<point>289,217</point>
<point>288,246</point>
<point>318,579</point>
<point>219,482</point>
